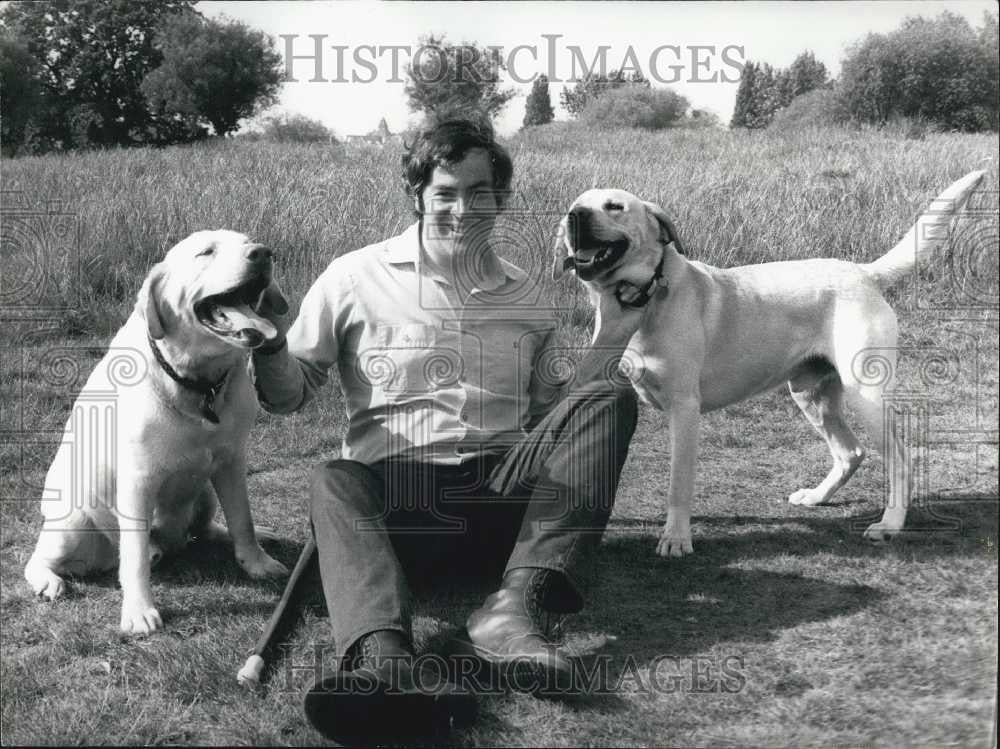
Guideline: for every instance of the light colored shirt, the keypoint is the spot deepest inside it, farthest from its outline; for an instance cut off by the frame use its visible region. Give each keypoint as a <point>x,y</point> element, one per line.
<point>429,370</point>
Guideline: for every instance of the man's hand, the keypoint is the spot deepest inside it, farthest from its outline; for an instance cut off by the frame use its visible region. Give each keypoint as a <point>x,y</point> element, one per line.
<point>619,322</point>
<point>274,309</point>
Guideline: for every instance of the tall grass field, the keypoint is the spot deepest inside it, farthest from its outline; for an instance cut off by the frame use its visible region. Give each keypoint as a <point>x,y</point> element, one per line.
<point>785,628</point>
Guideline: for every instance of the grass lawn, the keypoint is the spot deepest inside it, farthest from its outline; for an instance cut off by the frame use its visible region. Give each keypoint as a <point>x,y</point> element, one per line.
<point>784,628</point>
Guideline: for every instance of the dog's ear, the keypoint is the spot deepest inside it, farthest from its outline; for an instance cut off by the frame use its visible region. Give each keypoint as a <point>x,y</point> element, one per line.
<point>273,302</point>
<point>559,256</point>
<point>667,231</point>
<point>148,301</point>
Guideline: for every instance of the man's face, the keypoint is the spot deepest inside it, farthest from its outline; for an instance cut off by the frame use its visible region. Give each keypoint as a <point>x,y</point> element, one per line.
<point>460,206</point>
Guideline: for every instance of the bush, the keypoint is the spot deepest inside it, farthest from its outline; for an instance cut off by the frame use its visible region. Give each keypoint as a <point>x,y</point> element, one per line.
<point>701,118</point>
<point>296,128</point>
<point>940,70</point>
<point>636,106</point>
<point>821,107</point>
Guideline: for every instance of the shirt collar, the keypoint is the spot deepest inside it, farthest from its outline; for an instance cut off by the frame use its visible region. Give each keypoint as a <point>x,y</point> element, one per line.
<point>405,248</point>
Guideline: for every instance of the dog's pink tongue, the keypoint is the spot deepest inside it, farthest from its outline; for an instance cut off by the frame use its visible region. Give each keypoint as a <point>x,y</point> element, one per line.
<point>244,320</point>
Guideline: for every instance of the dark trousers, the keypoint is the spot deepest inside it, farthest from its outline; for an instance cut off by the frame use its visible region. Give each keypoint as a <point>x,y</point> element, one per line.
<point>543,503</point>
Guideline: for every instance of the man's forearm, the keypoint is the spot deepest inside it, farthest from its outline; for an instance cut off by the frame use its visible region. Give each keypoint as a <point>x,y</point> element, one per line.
<point>600,361</point>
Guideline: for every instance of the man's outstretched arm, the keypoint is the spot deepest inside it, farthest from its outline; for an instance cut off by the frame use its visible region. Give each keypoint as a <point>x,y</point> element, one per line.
<point>290,370</point>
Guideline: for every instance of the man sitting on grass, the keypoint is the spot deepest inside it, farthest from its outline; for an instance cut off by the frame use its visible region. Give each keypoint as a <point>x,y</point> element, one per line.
<point>462,454</point>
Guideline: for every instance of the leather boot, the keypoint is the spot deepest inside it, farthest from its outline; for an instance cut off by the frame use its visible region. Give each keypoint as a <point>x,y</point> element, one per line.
<point>507,632</point>
<point>378,696</point>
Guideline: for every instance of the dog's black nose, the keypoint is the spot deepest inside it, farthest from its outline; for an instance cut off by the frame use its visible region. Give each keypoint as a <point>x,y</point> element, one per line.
<point>578,226</point>
<point>259,254</point>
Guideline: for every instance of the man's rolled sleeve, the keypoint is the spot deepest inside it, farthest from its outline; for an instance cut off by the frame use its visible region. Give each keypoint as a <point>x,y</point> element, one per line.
<point>288,378</point>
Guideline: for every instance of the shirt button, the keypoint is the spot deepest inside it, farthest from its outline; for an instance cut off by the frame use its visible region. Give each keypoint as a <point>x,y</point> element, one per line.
<point>465,415</point>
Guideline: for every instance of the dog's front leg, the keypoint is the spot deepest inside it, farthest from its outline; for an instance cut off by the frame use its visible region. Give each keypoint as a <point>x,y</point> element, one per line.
<point>230,483</point>
<point>136,496</point>
<point>685,413</point>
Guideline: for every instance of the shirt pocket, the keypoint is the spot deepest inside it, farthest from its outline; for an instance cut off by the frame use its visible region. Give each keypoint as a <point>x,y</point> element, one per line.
<point>409,360</point>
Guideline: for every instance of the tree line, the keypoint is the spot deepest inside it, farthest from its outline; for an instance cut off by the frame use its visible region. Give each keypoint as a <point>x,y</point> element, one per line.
<point>939,70</point>
<point>86,73</point>
<point>94,73</point>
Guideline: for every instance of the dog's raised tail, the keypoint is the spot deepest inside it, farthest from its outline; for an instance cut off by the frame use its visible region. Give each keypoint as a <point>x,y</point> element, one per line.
<point>925,235</point>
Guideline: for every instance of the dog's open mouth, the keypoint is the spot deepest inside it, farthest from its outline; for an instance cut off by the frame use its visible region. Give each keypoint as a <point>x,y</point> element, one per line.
<point>233,314</point>
<point>598,259</point>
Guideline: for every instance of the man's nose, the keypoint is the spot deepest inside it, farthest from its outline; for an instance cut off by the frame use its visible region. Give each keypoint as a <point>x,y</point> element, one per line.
<point>459,207</point>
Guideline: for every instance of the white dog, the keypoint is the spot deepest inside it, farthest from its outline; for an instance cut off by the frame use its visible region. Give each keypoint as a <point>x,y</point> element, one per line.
<point>160,428</point>
<point>712,336</point>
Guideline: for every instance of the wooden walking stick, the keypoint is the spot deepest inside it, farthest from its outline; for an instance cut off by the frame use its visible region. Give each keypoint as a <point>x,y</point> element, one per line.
<point>280,621</point>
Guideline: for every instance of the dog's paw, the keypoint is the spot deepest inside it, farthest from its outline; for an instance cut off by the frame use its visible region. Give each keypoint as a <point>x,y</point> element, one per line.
<point>675,538</point>
<point>260,566</point>
<point>880,533</point>
<point>140,619</point>
<point>674,546</point>
<point>45,583</point>
<point>806,498</point>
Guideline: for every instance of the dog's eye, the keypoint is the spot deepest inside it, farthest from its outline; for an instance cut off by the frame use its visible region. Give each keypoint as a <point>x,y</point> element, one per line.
<point>612,205</point>
<point>206,252</point>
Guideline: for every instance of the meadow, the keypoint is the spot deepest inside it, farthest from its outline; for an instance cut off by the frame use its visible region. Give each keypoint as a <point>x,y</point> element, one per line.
<point>784,628</point>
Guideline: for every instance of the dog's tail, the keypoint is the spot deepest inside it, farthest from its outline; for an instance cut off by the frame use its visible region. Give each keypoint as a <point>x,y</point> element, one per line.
<point>925,235</point>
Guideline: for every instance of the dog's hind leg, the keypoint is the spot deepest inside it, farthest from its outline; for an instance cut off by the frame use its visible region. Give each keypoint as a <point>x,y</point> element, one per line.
<point>818,392</point>
<point>73,546</point>
<point>869,374</point>
<point>868,402</point>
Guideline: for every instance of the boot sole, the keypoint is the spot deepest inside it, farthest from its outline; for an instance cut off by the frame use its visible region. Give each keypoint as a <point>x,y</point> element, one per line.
<point>352,708</point>
<point>522,674</point>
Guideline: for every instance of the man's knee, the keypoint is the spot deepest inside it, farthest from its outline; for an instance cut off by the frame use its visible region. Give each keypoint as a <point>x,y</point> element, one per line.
<point>341,480</point>
<point>626,406</point>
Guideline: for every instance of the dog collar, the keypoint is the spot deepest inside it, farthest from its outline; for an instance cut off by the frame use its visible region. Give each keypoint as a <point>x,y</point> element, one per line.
<point>207,390</point>
<point>647,291</point>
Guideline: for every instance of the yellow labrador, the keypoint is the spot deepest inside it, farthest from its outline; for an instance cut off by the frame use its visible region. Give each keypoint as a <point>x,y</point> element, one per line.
<point>146,454</point>
<point>713,336</point>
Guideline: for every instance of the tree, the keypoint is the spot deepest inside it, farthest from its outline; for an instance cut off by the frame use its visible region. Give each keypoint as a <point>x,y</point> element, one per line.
<point>576,99</point>
<point>939,70</point>
<point>538,108</point>
<point>766,97</point>
<point>759,95</point>
<point>636,106</point>
<point>91,57</point>
<point>989,48</point>
<point>744,95</point>
<point>764,90</point>
<point>806,73</point>
<point>19,92</point>
<point>460,77</point>
<point>212,72</point>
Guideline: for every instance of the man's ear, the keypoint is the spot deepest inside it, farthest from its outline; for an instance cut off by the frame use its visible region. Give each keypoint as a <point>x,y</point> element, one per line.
<point>559,256</point>
<point>273,301</point>
<point>148,301</point>
<point>667,231</point>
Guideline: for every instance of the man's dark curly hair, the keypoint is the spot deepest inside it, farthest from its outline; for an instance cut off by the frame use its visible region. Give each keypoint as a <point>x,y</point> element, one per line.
<point>446,142</point>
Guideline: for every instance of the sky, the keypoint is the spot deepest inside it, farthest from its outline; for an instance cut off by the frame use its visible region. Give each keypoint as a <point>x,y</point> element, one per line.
<point>693,48</point>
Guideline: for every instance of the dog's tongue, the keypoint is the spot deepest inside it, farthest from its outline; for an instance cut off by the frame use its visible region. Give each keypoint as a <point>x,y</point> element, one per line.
<point>249,324</point>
